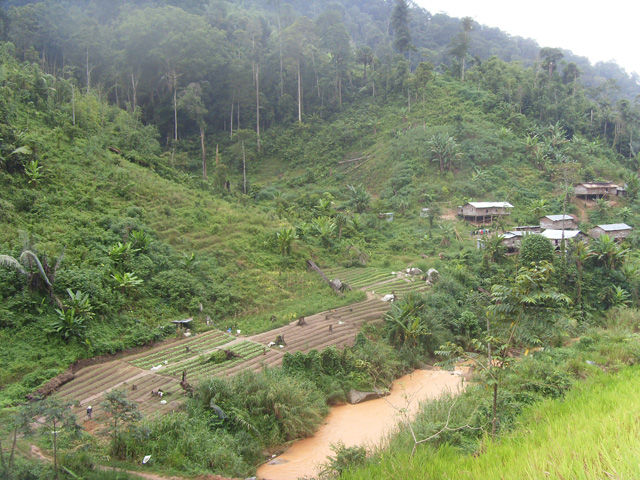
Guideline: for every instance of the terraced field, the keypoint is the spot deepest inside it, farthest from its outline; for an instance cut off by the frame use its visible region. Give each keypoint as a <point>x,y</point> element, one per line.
<point>377,280</point>
<point>162,367</point>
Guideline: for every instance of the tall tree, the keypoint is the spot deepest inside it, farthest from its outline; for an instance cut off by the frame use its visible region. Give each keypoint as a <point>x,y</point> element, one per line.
<point>400,25</point>
<point>191,101</point>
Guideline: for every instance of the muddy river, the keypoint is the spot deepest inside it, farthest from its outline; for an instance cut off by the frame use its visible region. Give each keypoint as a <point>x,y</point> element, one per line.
<point>362,424</point>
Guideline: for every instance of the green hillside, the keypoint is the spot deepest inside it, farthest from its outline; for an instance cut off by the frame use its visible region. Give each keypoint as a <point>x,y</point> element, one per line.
<point>163,160</point>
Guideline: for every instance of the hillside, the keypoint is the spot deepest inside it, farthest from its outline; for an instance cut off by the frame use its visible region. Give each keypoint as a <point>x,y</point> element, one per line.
<point>170,160</point>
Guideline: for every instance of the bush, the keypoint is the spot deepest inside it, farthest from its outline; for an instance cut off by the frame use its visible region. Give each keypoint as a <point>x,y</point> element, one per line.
<point>177,286</point>
<point>536,248</point>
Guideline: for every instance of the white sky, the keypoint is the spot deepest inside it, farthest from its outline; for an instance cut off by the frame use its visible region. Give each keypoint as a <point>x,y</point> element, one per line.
<point>598,30</point>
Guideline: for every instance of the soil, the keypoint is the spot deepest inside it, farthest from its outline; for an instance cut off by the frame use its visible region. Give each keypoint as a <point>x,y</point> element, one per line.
<point>95,379</point>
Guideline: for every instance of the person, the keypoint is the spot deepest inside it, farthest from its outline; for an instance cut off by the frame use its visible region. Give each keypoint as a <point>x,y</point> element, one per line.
<point>89,411</point>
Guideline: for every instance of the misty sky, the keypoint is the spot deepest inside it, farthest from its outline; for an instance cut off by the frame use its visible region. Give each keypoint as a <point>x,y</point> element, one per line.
<point>600,31</point>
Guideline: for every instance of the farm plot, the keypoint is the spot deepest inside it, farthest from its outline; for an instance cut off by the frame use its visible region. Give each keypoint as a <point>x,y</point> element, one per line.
<point>378,280</point>
<point>359,278</point>
<point>400,286</point>
<point>201,367</point>
<point>177,353</point>
<point>345,323</point>
<point>333,327</point>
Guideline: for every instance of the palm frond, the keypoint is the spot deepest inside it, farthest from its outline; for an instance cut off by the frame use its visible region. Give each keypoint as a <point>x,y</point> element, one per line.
<point>9,261</point>
<point>32,257</point>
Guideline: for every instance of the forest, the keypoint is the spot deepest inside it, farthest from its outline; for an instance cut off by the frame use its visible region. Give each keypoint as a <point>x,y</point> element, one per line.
<point>171,160</point>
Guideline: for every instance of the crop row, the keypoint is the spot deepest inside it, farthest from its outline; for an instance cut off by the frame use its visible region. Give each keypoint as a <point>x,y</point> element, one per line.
<point>246,350</point>
<point>179,352</point>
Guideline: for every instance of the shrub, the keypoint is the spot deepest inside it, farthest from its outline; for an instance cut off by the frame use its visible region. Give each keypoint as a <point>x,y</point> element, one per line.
<point>177,286</point>
<point>536,248</point>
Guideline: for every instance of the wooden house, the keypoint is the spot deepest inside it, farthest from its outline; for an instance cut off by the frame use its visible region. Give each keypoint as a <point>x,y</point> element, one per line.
<point>528,228</point>
<point>483,211</point>
<point>591,190</point>
<point>556,236</point>
<point>559,222</point>
<point>617,231</point>
<point>513,239</point>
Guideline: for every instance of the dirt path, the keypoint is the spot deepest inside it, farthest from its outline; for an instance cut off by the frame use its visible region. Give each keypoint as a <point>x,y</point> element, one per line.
<point>363,424</point>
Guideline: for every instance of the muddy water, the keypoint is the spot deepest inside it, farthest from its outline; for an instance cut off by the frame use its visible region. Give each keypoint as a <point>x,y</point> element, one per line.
<point>362,424</point>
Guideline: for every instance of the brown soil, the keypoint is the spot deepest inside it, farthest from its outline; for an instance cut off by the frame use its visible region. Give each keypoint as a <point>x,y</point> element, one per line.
<point>95,379</point>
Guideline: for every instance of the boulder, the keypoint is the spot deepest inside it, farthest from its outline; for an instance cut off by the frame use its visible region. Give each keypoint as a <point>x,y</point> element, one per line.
<point>356,396</point>
<point>433,275</point>
<point>414,271</point>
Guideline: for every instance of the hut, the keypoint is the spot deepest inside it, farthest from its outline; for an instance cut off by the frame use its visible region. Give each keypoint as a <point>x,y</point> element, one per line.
<point>182,323</point>
<point>556,236</point>
<point>559,222</point>
<point>617,231</point>
<point>512,240</point>
<point>483,211</point>
<point>591,190</point>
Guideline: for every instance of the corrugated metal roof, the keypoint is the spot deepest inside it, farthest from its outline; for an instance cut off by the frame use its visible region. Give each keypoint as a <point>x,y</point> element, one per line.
<point>598,184</point>
<point>612,227</point>
<point>491,204</point>
<point>558,218</point>
<point>553,234</point>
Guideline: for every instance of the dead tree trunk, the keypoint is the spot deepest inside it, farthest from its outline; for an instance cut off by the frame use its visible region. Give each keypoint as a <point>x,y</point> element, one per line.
<point>315,268</point>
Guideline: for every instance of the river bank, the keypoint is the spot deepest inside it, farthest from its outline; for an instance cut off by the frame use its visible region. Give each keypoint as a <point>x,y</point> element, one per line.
<point>363,424</point>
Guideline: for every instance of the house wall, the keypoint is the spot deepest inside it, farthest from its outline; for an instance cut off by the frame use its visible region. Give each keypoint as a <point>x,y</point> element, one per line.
<point>581,190</point>
<point>559,225</point>
<point>616,234</point>
<point>470,211</point>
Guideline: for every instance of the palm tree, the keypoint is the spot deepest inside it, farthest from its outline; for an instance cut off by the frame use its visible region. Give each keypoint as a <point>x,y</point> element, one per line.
<point>444,149</point>
<point>581,252</point>
<point>360,197</point>
<point>403,323</point>
<point>608,251</point>
<point>285,238</point>
<point>35,270</point>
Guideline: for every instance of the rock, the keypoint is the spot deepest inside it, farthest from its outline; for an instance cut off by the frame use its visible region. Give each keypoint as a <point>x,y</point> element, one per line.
<point>337,283</point>
<point>414,271</point>
<point>433,275</point>
<point>356,396</point>
<point>388,298</point>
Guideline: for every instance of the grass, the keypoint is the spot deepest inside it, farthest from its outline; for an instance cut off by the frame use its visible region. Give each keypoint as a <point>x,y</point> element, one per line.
<point>593,433</point>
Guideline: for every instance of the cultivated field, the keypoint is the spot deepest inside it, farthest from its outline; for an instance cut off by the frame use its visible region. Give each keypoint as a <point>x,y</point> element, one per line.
<point>162,367</point>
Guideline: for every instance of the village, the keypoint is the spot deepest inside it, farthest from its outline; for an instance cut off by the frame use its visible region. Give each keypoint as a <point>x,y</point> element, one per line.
<point>558,228</point>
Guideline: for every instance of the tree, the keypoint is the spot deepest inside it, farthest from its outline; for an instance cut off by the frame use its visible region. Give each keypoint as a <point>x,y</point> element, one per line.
<point>607,251</point>
<point>297,39</point>
<point>400,25</point>
<point>364,55</point>
<point>40,276</point>
<point>190,100</point>
<point>550,58</point>
<point>403,324</point>
<point>122,412</point>
<point>536,248</point>
<point>284,238</point>
<point>460,45</point>
<point>360,197</point>
<point>444,149</point>
<point>53,415</point>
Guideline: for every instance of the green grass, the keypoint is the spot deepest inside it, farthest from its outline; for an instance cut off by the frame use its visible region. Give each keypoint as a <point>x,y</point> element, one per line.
<point>593,433</point>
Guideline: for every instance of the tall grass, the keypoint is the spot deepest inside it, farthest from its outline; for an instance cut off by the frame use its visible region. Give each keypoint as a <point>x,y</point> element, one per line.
<point>593,433</point>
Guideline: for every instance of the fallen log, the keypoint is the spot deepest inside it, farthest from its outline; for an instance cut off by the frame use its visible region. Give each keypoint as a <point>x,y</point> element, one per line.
<point>316,269</point>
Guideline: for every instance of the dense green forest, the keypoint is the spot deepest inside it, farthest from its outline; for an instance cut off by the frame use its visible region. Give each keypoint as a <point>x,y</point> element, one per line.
<point>162,160</point>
